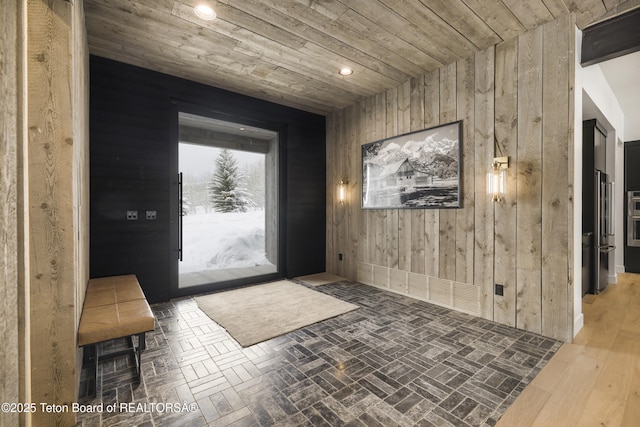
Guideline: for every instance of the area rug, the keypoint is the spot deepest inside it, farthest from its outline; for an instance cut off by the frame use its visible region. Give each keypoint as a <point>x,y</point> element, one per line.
<point>320,279</point>
<point>258,313</point>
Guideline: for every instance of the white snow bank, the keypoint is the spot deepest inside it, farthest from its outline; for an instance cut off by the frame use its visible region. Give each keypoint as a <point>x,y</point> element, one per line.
<point>213,241</point>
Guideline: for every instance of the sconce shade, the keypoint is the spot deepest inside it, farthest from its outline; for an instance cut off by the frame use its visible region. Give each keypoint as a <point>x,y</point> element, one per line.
<point>342,191</point>
<point>497,178</point>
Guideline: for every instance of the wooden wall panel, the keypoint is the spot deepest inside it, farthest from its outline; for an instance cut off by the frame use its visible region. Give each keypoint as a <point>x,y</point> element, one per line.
<point>465,217</point>
<point>9,241</point>
<point>529,183</point>
<point>392,219</point>
<point>56,192</point>
<point>368,131</point>
<point>55,261</point>
<point>331,203</point>
<point>416,119</point>
<point>379,215</point>
<point>484,153</point>
<point>353,193</point>
<point>454,257</point>
<point>342,163</point>
<point>80,99</point>
<point>405,238</point>
<point>574,259</point>
<point>506,137</point>
<point>447,220</point>
<point>432,216</point>
<point>555,178</point>
<point>364,238</point>
<point>333,207</point>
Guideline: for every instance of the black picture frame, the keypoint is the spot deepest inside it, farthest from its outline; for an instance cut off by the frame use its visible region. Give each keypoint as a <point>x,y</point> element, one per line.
<point>416,170</point>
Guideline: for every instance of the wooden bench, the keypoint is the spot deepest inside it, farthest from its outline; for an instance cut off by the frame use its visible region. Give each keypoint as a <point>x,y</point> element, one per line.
<point>114,307</point>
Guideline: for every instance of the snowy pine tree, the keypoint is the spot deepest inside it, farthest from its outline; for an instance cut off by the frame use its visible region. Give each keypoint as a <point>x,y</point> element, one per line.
<point>185,206</point>
<point>225,189</point>
<point>255,181</point>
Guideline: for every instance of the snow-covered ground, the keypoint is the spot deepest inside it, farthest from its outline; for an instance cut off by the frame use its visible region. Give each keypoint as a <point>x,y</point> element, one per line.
<point>213,241</point>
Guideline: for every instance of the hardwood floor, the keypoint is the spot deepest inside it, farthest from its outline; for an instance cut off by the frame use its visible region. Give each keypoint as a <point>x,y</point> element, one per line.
<point>595,381</point>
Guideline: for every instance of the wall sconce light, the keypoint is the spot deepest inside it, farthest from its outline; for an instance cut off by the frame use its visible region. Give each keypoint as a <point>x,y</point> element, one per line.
<point>342,191</point>
<point>497,178</point>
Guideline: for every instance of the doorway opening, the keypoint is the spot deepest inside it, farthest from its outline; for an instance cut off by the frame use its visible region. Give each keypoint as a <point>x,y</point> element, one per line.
<point>228,210</point>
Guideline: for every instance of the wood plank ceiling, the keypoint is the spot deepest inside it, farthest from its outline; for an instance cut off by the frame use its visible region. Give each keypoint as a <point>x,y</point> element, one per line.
<point>290,51</point>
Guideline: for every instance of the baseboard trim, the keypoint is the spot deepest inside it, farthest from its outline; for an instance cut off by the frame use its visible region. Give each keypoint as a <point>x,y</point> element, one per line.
<point>578,323</point>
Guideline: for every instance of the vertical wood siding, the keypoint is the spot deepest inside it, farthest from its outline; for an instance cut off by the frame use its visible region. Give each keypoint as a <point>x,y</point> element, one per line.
<point>56,201</point>
<point>506,137</point>
<point>529,183</point>
<point>454,257</point>
<point>9,249</point>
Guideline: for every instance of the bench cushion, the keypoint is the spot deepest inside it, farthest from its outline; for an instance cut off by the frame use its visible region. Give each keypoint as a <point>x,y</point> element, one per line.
<point>108,322</point>
<point>114,307</point>
<point>112,290</point>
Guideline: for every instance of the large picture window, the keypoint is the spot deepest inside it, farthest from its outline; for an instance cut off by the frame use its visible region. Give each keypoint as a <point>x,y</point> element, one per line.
<point>228,201</point>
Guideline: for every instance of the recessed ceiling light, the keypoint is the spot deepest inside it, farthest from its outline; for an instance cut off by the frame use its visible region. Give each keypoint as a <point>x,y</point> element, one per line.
<point>205,12</point>
<point>345,71</point>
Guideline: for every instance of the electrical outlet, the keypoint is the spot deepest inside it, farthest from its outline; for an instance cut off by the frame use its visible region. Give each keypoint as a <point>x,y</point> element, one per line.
<point>499,290</point>
<point>340,257</point>
<point>151,214</point>
<point>132,215</point>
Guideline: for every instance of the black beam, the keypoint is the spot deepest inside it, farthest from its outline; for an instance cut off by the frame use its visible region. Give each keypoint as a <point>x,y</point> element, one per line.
<point>612,38</point>
<point>194,135</point>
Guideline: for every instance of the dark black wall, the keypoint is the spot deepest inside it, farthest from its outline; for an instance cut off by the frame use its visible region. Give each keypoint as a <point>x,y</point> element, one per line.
<point>631,163</point>
<point>132,117</point>
<point>611,38</point>
<point>632,183</point>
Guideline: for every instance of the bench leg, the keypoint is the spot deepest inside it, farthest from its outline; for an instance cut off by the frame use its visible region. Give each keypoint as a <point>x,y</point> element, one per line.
<point>92,357</point>
<point>96,359</point>
<point>135,351</point>
<point>142,343</point>
<point>138,354</point>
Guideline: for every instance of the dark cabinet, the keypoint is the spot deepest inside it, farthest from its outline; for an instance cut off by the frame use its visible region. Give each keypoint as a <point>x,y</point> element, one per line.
<point>632,184</point>
<point>594,159</point>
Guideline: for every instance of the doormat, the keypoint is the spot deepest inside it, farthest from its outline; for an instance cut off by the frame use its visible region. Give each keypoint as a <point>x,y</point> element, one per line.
<point>320,279</point>
<point>258,313</point>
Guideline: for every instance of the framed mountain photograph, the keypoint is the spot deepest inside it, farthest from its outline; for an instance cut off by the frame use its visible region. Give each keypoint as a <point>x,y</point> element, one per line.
<point>417,170</point>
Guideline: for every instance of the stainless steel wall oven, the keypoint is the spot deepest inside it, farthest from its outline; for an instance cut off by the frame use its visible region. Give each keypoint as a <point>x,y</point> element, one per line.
<point>633,218</point>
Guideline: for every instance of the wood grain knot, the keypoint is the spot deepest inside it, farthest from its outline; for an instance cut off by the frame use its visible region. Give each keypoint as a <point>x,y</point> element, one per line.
<point>44,205</point>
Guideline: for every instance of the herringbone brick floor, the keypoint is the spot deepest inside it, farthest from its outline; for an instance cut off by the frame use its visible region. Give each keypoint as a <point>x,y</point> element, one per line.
<point>395,361</point>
